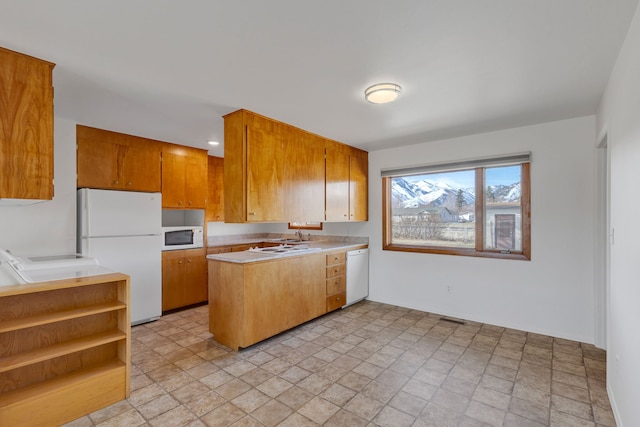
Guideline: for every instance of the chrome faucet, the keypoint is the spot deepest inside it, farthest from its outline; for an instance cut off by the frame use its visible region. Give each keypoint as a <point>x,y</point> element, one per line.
<point>299,234</point>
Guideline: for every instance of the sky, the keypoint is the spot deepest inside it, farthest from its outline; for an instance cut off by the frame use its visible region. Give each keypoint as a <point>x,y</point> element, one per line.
<point>505,175</point>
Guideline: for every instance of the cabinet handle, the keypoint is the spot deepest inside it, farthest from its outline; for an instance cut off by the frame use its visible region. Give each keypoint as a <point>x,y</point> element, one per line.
<point>252,213</point>
<point>335,258</point>
<point>345,215</point>
<point>189,203</point>
<point>180,202</point>
<point>180,262</point>
<point>336,270</point>
<point>116,182</point>
<point>337,282</point>
<point>188,261</point>
<point>337,298</point>
<point>129,183</point>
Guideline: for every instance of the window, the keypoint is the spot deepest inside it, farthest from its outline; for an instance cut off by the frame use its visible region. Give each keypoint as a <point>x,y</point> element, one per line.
<point>473,208</point>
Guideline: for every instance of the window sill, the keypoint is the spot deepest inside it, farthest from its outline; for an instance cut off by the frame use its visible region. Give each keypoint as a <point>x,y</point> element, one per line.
<point>457,251</point>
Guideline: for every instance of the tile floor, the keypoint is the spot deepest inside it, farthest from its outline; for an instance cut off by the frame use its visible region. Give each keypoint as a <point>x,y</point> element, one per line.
<point>370,364</point>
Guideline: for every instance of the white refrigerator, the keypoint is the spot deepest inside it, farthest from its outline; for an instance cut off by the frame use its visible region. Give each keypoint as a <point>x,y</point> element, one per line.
<point>122,230</point>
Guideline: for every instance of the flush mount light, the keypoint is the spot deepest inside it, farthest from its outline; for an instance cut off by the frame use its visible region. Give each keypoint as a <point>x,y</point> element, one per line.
<point>214,143</point>
<point>382,93</point>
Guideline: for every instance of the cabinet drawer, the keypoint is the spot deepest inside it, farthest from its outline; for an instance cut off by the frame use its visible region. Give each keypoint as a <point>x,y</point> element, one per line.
<point>336,270</point>
<point>336,301</point>
<point>336,284</point>
<point>336,258</point>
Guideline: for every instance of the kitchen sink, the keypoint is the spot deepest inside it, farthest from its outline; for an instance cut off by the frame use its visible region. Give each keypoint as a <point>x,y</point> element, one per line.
<point>288,241</point>
<point>284,249</point>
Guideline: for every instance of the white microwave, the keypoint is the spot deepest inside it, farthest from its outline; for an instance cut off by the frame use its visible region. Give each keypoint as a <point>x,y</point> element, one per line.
<point>182,237</point>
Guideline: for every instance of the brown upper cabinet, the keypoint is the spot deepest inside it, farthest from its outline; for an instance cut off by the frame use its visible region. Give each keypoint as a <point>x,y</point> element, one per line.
<point>304,176</point>
<point>184,177</point>
<point>115,161</point>
<point>215,183</point>
<point>254,148</point>
<point>346,183</point>
<point>26,127</point>
<point>275,172</point>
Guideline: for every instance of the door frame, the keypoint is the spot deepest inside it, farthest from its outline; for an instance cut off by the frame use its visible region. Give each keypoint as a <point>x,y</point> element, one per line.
<point>604,238</point>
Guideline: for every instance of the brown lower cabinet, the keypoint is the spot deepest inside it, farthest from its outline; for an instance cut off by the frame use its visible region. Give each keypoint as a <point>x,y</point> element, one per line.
<point>184,278</point>
<point>250,302</point>
<point>336,280</point>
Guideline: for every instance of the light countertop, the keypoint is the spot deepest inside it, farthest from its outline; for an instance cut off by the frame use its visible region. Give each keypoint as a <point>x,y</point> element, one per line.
<point>322,244</point>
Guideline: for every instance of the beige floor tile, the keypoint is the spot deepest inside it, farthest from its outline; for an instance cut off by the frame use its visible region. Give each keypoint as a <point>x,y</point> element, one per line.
<point>338,394</point>
<point>370,364</point>
<point>390,417</point>
<point>295,397</point>
<point>485,413</point>
<point>224,415</point>
<point>274,386</point>
<point>529,410</point>
<point>364,407</point>
<point>157,406</point>
<point>344,418</point>
<point>408,403</point>
<point>271,413</point>
<point>435,415</point>
<point>318,410</point>
<point>205,402</point>
<point>572,407</point>
<point>251,400</point>
<point>176,417</point>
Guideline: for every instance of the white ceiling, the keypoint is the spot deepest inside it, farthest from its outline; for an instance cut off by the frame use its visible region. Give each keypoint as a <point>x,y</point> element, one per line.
<point>169,70</point>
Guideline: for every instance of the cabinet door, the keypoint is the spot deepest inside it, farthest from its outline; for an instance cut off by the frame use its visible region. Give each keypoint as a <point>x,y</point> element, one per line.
<point>116,161</point>
<point>265,195</point>
<point>337,185</point>
<point>141,169</point>
<point>195,281</point>
<point>173,180</point>
<point>215,184</point>
<point>304,176</point>
<point>26,127</point>
<point>97,164</point>
<point>358,198</point>
<point>173,272</point>
<point>195,186</point>
<point>273,301</point>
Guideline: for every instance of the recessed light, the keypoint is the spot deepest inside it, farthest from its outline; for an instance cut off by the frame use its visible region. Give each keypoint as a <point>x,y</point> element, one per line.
<point>214,143</point>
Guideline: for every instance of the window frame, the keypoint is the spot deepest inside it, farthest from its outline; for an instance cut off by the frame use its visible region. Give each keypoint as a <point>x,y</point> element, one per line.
<point>478,250</point>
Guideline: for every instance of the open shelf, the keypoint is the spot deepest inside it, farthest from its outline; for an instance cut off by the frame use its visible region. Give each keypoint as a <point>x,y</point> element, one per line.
<point>43,319</point>
<point>46,403</point>
<point>56,350</point>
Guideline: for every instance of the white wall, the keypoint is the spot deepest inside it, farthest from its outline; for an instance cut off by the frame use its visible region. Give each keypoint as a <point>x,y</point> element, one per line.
<point>619,119</point>
<point>553,293</point>
<point>49,227</point>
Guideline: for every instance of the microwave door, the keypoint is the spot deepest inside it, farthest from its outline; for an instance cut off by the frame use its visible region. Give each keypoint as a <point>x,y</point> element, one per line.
<point>178,238</point>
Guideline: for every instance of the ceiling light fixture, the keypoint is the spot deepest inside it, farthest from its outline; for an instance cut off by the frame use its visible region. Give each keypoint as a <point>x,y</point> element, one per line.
<point>214,143</point>
<point>382,93</point>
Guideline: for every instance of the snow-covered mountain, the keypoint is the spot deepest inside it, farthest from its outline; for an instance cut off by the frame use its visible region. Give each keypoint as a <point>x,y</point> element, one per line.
<point>425,193</point>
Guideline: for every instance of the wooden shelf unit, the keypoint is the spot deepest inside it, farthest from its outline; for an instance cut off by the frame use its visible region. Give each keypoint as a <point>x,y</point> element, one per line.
<point>65,348</point>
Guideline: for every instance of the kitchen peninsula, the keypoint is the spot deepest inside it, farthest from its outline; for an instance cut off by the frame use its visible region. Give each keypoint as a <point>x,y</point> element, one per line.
<point>255,294</point>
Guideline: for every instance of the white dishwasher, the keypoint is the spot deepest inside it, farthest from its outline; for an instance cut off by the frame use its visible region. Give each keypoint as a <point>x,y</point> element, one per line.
<point>357,275</point>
